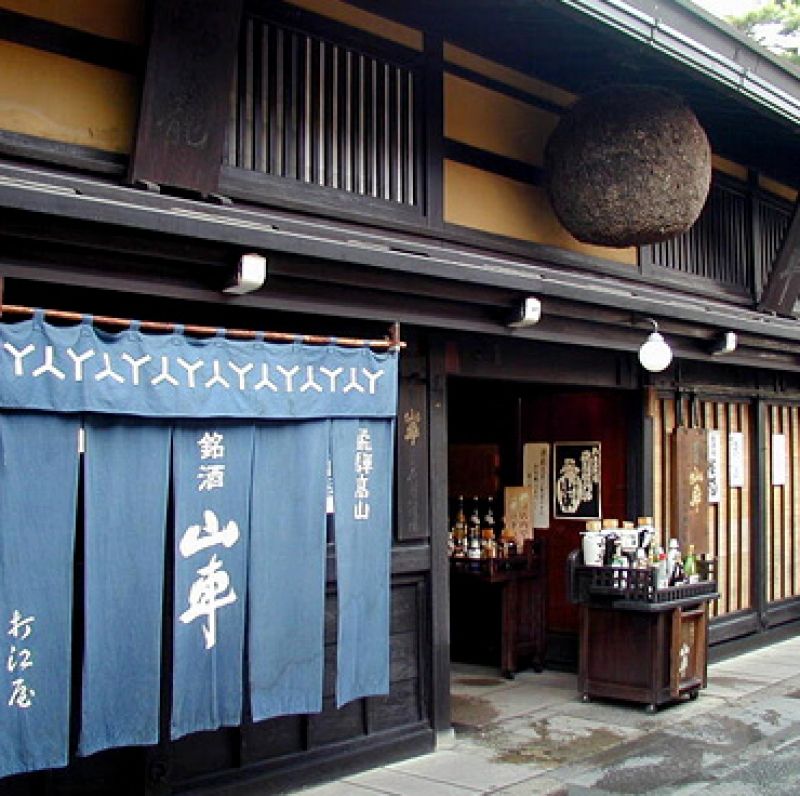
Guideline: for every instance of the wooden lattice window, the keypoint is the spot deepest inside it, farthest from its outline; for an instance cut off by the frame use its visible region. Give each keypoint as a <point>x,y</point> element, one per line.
<point>719,245</point>
<point>321,113</point>
<point>773,223</point>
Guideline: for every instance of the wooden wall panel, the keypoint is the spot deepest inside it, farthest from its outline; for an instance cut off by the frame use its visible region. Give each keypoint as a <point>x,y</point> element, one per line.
<point>729,521</point>
<point>782,536</point>
<point>492,203</point>
<point>495,122</point>
<point>63,99</point>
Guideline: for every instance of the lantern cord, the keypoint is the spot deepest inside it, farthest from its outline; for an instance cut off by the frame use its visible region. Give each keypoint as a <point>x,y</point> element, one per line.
<point>392,342</point>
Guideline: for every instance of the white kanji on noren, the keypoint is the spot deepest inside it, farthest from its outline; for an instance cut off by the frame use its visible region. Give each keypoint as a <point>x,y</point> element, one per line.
<point>210,592</point>
<point>211,445</point>
<point>199,537</point>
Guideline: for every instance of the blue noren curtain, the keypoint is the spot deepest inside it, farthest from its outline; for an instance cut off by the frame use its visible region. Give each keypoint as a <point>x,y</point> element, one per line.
<point>38,489</point>
<point>287,569</point>
<point>125,498</point>
<point>212,473</point>
<point>362,452</point>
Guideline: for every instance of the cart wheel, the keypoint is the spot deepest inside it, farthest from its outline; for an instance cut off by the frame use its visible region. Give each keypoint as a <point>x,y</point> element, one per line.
<point>586,698</point>
<point>651,709</point>
<point>694,694</point>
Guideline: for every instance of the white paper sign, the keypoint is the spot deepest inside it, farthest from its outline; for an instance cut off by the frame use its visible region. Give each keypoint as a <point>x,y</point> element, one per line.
<point>536,474</point>
<point>778,460</point>
<point>736,459</point>
<point>714,444</point>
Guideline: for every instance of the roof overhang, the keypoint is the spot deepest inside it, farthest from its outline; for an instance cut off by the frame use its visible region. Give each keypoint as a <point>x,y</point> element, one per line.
<point>688,36</point>
<point>746,98</point>
<point>378,274</point>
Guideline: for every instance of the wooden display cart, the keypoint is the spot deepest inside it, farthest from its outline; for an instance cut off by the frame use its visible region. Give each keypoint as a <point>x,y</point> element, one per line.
<point>637,643</point>
<point>498,610</point>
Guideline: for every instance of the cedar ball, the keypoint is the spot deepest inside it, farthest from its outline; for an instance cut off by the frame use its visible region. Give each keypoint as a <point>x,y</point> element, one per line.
<point>627,166</point>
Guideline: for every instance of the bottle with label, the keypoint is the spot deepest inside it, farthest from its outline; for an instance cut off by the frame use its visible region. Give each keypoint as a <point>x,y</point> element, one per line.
<point>673,559</point>
<point>690,566</point>
<point>662,579</point>
<point>508,541</point>
<point>460,530</point>
<point>618,561</point>
<point>488,518</point>
<point>474,532</point>
<point>647,536</point>
<point>488,538</point>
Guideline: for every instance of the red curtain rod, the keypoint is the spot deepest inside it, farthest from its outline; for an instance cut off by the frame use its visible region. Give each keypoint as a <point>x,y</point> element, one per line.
<point>391,342</point>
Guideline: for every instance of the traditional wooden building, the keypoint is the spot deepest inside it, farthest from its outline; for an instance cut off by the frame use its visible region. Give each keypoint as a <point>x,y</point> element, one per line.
<point>386,159</point>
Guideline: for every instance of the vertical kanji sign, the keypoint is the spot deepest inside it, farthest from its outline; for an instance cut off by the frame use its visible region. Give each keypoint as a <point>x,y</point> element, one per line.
<point>212,476</point>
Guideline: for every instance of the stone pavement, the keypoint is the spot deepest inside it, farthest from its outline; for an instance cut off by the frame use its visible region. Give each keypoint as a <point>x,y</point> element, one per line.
<point>533,737</point>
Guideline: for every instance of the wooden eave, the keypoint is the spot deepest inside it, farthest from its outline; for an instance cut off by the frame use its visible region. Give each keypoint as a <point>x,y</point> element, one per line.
<point>746,99</point>
<point>324,267</point>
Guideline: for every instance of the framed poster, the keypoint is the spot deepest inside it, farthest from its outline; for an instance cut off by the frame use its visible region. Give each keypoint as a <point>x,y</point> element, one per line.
<point>735,459</point>
<point>536,474</point>
<point>576,480</point>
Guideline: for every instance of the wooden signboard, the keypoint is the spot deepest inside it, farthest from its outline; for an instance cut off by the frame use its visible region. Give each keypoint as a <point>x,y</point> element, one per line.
<point>689,503</point>
<point>536,474</point>
<point>186,96</point>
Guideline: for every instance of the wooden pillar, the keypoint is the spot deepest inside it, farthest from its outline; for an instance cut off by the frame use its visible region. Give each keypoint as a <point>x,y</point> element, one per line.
<point>440,570</point>
<point>760,526</point>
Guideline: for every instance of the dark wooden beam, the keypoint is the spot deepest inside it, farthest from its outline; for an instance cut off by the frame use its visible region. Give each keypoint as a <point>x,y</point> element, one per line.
<point>91,48</point>
<point>780,292</point>
<point>185,101</point>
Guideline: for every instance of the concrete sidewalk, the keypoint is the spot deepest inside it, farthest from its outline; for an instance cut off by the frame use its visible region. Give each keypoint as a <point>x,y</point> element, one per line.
<point>533,736</point>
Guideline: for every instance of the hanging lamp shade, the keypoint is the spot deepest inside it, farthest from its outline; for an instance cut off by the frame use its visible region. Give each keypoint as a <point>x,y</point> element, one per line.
<point>627,166</point>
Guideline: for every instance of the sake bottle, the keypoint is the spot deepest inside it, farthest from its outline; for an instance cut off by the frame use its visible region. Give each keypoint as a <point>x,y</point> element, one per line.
<point>690,565</point>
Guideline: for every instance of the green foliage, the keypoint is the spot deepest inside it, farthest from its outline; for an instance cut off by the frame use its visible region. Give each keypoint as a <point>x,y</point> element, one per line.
<point>775,24</point>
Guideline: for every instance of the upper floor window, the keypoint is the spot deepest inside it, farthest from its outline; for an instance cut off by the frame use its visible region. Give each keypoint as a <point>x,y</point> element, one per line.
<point>324,114</point>
<point>733,243</point>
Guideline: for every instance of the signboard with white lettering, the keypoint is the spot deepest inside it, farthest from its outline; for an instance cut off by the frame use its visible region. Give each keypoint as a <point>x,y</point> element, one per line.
<point>714,443</point>
<point>736,459</point>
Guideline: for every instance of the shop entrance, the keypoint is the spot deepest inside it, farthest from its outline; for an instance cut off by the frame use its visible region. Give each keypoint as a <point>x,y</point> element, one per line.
<point>489,423</point>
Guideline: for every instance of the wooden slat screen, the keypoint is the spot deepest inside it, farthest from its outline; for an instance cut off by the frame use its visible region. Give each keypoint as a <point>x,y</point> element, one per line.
<point>783,503</point>
<point>719,245</point>
<point>729,522</point>
<point>306,109</point>
<point>773,222</point>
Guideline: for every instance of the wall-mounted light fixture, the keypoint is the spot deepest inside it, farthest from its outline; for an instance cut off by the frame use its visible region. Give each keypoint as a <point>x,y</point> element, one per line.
<point>723,343</point>
<point>250,275</point>
<point>654,353</point>
<point>528,312</point>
